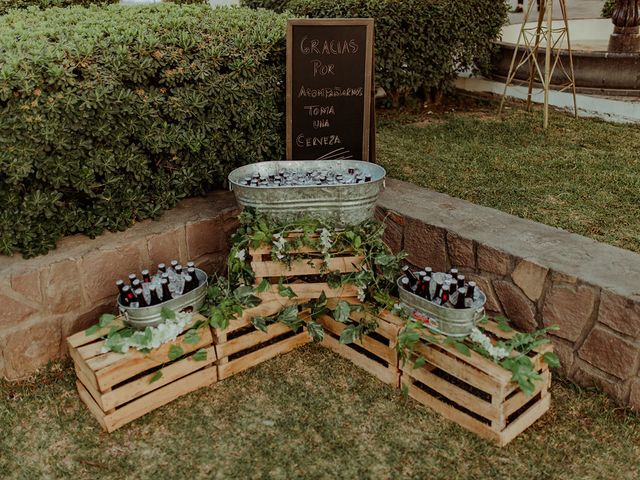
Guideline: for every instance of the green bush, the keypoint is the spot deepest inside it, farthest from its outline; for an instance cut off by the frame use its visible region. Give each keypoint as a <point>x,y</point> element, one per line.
<point>110,115</point>
<point>419,44</point>
<point>6,5</point>
<point>275,5</point>
<point>607,8</point>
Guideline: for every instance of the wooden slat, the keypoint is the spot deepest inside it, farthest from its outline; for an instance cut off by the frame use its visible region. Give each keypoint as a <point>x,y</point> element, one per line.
<point>251,339</point>
<point>305,291</point>
<point>453,414</point>
<point>458,369</point>
<point>454,393</point>
<point>265,309</point>
<point>81,365</point>
<point>261,355</point>
<point>388,375</point>
<point>160,397</point>
<point>138,362</point>
<point>525,420</point>
<point>306,267</point>
<point>379,349</point>
<point>388,329</point>
<point>137,388</point>
<point>481,363</point>
<point>92,389</point>
<point>81,338</point>
<point>91,404</point>
<point>518,400</point>
<point>266,248</point>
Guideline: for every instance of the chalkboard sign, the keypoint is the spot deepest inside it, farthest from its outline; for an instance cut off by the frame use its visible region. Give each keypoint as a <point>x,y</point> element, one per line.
<point>329,85</point>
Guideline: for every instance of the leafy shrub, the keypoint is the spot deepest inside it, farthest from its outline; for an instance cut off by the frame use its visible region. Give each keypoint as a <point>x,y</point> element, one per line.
<point>607,8</point>
<point>419,44</point>
<point>6,5</point>
<point>110,115</point>
<point>275,5</point>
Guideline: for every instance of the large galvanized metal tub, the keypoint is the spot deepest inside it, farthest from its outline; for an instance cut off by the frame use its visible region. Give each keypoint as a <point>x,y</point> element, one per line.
<point>340,204</point>
<point>453,322</point>
<point>141,318</point>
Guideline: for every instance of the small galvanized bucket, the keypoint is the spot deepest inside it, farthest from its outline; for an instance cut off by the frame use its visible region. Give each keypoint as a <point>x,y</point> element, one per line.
<point>453,322</point>
<point>340,204</point>
<point>141,318</point>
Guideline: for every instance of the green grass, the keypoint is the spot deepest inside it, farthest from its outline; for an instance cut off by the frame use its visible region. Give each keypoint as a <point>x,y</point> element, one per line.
<point>309,414</point>
<point>581,175</point>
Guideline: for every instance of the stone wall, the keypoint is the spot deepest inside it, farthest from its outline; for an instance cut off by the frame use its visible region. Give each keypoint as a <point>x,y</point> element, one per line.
<point>535,275</point>
<point>45,299</point>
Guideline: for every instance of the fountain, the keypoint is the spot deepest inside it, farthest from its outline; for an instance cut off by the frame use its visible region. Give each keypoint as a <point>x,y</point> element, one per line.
<point>606,57</point>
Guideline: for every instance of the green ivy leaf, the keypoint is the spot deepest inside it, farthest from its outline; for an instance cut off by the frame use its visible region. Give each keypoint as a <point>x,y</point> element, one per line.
<point>289,316</point>
<point>342,311</point>
<point>105,319</point>
<point>263,286</point>
<point>285,291</point>
<point>167,314</point>
<point>462,348</point>
<point>155,377</point>
<point>175,351</point>
<point>260,323</point>
<point>349,335</point>
<point>91,330</point>
<point>200,355</point>
<point>191,337</point>
<point>551,359</point>
<point>420,362</point>
<point>316,331</point>
<point>503,324</point>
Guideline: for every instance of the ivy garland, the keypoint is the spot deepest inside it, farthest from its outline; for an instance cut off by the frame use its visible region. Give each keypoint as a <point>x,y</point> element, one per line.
<point>511,354</point>
<point>375,280</point>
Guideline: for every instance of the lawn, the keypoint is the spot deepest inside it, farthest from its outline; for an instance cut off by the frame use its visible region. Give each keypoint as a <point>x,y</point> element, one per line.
<point>581,175</point>
<point>308,414</point>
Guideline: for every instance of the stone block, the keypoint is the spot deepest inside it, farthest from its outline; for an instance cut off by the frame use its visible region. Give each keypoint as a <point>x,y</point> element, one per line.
<point>569,307</point>
<point>609,352</point>
<point>27,284</point>
<point>460,251</point>
<point>101,269</point>
<point>634,395</point>
<point>492,305</point>
<point>530,278</point>
<point>588,377</point>
<point>14,312</point>
<point>557,277</point>
<point>27,349</point>
<point>62,286</point>
<point>392,236</point>
<point>565,353</point>
<point>493,261</point>
<point>203,237</point>
<point>213,263</point>
<point>425,245</point>
<point>620,313</point>
<point>164,247</point>
<point>516,306</point>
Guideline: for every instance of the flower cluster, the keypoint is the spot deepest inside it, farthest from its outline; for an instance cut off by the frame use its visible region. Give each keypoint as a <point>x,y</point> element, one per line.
<point>151,337</point>
<point>362,293</point>
<point>240,255</point>
<point>325,240</point>
<point>497,353</point>
<point>278,245</point>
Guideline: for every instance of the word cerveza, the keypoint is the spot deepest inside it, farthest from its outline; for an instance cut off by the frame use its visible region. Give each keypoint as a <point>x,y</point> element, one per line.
<point>303,141</point>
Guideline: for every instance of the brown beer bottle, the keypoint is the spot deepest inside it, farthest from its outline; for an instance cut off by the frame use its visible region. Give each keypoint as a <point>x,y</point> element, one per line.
<point>445,295</point>
<point>461,297</point>
<point>155,299</point>
<point>461,279</point>
<point>166,293</point>
<point>142,302</point>
<point>471,287</point>
<point>454,272</point>
<point>120,285</point>
<point>146,278</point>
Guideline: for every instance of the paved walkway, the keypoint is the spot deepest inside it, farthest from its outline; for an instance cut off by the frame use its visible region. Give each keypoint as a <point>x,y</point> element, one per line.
<point>575,9</point>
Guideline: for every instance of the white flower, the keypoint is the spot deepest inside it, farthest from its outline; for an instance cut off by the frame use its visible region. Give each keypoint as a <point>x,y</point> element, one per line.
<point>497,353</point>
<point>240,255</point>
<point>279,242</point>
<point>362,293</point>
<point>163,333</point>
<point>325,240</point>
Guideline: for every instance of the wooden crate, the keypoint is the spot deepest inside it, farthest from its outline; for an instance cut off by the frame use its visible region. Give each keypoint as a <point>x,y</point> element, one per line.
<point>376,352</point>
<point>241,346</point>
<point>305,287</point>
<point>475,392</point>
<point>117,388</point>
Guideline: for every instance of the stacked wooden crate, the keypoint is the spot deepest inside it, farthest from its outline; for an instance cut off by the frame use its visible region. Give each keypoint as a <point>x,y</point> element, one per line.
<point>475,392</point>
<point>120,387</point>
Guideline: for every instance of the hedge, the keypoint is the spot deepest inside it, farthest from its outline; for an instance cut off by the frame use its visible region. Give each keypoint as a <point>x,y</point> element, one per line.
<point>275,5</point>
<point>607,8</point>
<point>6,5</point>
<point>110,115</point>
<point>419,44</point>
